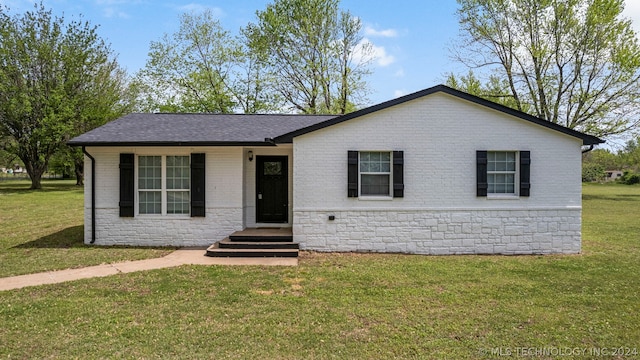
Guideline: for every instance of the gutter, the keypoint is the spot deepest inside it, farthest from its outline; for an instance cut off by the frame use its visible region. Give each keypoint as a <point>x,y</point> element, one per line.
<point>93,195</point>
<point>589,149</point>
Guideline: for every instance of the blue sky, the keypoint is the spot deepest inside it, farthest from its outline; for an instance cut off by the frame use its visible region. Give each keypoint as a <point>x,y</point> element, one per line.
<point>411,38</point>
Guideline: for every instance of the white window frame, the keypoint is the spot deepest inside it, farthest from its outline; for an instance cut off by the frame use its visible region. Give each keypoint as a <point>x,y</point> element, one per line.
<point>515,173</point>
<point>389,194</point>
<point>163,187</point>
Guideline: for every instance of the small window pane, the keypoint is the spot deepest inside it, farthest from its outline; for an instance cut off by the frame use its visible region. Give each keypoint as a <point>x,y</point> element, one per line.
<point>178,202</point>
<point>272,168</point>
<point>149,172</point>
<point>178,173</point>
<point>150,202</point>
<point>375,162</point>
<point>375,185</point>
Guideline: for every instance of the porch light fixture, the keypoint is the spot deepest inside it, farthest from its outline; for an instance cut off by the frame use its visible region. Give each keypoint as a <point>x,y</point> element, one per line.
<point>250,155</point>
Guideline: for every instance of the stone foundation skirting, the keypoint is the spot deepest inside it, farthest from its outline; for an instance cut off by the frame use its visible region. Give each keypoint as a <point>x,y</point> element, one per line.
<point>441,232</point>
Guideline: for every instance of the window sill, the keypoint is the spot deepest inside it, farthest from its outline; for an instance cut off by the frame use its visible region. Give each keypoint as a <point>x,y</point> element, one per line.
<point>375,198</point>
<point>164,217</point>
<point>502,197</point>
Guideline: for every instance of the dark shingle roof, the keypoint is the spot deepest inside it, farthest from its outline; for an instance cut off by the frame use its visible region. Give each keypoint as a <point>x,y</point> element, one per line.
<point>195,129</point>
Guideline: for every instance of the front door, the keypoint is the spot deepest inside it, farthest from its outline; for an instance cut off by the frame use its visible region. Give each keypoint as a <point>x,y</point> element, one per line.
<point>272,196</point>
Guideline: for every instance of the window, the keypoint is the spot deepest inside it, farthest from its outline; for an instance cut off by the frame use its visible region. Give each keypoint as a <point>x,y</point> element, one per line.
<point>163,185</point>
<point>501,172</point>
<point>375,173</point>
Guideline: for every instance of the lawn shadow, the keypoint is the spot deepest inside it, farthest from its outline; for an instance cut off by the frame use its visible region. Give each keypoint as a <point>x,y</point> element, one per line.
<point>71,237</point>
<point>22,187</point>
<point>622,197</point>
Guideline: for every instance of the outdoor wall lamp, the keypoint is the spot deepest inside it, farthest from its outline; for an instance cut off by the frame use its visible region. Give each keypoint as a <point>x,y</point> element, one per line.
<point>250,155</point>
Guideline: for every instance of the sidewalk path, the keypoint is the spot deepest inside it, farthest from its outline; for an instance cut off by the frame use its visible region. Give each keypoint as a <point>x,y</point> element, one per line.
<point>186,256</point>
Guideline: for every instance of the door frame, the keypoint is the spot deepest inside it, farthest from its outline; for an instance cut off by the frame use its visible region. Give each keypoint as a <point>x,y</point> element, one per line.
<point>284,160</point>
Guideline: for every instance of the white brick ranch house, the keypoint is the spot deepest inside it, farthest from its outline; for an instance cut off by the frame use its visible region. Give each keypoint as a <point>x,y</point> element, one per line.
<point>438,171</point>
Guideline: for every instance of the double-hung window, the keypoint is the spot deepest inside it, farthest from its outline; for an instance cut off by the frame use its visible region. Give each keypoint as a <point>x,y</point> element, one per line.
<point>501,172</point>
<point>163,185</point>
<point>375,173</point>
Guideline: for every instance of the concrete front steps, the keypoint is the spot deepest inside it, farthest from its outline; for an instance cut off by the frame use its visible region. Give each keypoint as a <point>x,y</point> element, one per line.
<point>251,242</point>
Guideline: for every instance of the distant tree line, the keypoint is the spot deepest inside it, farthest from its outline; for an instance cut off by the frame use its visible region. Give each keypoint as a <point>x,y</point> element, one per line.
<point>596,163</point>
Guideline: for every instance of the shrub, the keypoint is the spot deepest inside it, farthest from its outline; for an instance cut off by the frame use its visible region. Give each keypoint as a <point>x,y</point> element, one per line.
<point>592,172</point>
<point>630,178</point>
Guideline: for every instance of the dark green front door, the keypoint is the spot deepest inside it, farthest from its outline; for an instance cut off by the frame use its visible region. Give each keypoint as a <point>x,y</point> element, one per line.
<point>272,196</point>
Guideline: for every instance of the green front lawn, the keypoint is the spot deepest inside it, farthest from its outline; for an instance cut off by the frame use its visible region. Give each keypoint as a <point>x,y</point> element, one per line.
<point>43,230</point>
<point>347,306</point>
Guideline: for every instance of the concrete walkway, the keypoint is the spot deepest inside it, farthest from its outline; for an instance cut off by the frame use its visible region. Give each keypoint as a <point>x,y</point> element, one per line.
<point>179,257</point>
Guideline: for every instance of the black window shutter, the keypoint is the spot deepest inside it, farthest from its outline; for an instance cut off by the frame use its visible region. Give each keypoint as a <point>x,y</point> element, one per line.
<point>481,176</point>
<point>197,185</point>
<point>127,185</point>
<point>525,172</point>
<point>352,174</point>
<point>398,174</point>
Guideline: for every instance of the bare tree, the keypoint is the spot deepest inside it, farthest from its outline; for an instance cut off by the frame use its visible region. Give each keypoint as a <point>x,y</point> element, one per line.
<point>572,62</point>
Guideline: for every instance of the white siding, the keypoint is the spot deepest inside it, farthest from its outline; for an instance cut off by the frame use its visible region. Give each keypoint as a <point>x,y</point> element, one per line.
<point>439,135</point>
<point>223,201</point>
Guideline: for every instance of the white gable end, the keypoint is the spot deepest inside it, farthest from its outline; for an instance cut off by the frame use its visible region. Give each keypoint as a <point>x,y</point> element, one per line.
<point>439,135</point>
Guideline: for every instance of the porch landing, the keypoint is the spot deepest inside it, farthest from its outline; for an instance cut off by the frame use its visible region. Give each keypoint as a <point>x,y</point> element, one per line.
<point>256,242</point>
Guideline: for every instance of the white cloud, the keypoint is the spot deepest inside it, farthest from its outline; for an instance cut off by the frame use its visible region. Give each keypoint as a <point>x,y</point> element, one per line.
<point>398,93</point>
<point>366,52</point>
<point>389,33</point>
<point>632,11</point>
<point>399,73</point>
<point>200,8</point>
<point>381,57</point>
<point>110,12</point>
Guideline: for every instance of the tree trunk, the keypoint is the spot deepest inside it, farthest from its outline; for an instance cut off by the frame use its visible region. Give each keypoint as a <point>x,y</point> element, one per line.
<point>79,169</point>
<point>35,174</point>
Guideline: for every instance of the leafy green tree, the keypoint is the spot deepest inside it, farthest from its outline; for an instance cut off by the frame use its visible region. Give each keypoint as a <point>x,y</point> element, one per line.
<point>57,80</point>
<point>593,172</point>
<point>316,53</point>
<point>191,70</point>
<point>573,62</point>
<point>495,89</point>
<point>604,158</point>
<point>630,155</point>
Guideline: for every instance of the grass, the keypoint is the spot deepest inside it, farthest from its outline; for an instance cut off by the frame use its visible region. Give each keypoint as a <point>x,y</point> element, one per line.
<point>367,306</point>
<point>43,230</point>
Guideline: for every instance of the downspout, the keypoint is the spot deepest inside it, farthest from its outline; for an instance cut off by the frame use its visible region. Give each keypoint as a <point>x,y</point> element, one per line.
<point>93,195</point>
<point>589,149</point>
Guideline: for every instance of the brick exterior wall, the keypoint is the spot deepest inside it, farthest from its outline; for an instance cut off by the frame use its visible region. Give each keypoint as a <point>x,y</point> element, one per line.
<point>224,201</point>
<point>440,212</point>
